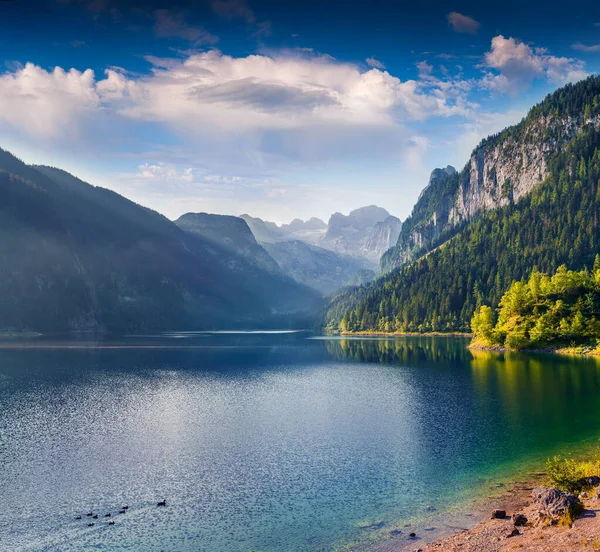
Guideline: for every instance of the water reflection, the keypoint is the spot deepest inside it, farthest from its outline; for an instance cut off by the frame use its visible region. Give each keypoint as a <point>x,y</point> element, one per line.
<point>406,351</point>
<point>267,442</point>
<point>543,398</point>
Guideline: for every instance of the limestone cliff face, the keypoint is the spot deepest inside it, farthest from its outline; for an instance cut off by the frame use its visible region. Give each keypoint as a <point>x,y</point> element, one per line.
<point>501,170</point>
<point>366,233</point>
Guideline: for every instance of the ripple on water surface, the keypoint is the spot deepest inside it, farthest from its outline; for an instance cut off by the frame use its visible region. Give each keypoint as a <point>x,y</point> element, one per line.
<point>267,442</point>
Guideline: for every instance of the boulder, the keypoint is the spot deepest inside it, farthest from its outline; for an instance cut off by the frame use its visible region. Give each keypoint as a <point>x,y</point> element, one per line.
<point>553,504</point>
<point>519,520</point>
<point>591,481</point>
<point>498,514</point>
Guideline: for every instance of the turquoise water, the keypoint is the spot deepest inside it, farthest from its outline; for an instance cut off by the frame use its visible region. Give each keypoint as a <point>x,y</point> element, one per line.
<point>269,442</point>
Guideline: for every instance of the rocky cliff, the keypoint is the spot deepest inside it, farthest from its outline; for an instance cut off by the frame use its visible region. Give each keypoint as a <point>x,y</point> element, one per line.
<point>366,233</point>
<point>501,170</point>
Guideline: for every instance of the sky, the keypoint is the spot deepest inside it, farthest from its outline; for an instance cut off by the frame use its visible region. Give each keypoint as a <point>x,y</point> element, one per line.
<point>281,109</point>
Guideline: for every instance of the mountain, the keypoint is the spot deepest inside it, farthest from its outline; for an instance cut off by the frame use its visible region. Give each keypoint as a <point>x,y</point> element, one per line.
<point>263,231</point>
<point>324,270</point>
<point>366,232</point>
<point>231,234</point>
<point>309,231</point>
<point>503,169</point>
<point>428,220</point>
<point>529,197</point>
<point>79,257</point>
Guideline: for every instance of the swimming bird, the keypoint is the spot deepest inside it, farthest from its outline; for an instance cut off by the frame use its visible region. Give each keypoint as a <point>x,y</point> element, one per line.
<point>90,524</point>
<point>89,514</point>
<point>106,515</point>
<point>124,507</point>
<point>78,517</point>
<point>162,502</point>
<point>121,511</point>
<point>95,516</point>
<point>111,522</point>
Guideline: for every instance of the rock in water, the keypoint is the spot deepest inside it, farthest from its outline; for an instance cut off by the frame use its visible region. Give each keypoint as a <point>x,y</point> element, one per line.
<point>498,514</point>
<point>552,503</point>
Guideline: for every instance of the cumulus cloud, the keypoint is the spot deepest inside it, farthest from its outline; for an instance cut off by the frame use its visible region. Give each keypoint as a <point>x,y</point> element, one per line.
<point>249,114</point>
<point>47,103</point>
<point>463,23</point>
<point>518,65</point>
<point>372,62</point>
<point>584,48</point>
<point>281,92</point>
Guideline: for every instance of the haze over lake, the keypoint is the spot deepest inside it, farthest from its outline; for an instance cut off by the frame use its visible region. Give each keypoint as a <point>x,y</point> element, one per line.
<point>268,442</point>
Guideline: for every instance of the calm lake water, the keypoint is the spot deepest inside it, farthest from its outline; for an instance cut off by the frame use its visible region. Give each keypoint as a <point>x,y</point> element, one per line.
<point>270,443</point>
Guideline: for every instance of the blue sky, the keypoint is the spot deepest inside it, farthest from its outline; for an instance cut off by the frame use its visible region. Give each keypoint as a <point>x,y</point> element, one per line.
<point>282,109</point>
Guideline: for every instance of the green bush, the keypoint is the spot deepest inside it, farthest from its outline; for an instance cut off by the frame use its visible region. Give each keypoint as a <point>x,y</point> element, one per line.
<point>566,473</point>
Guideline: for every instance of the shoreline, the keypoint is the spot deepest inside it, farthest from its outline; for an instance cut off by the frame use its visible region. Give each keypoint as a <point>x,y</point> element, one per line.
<point>403,334</point>
<point>474,530</point>
<point>440,532</point>
<point>467,526</point>
<point>501,535</point>
<point>580,350</point>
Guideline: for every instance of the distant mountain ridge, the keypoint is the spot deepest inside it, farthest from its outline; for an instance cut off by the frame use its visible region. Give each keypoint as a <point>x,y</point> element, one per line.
<point>78,257</point>
<point>309,231</point>
<point>324,270</point>
<point>231,233</point>
<point>365,233</point>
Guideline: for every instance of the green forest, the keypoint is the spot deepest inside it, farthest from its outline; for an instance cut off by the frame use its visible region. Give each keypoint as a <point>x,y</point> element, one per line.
<point>557,223</point>
<point>543,311</point>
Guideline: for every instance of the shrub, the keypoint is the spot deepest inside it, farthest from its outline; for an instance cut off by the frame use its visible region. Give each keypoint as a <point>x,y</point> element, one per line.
<point>566,473</point>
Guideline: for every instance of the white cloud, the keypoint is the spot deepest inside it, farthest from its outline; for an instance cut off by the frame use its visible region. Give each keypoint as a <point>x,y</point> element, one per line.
<point>292,91</point>
<point>425,70</point>
<point>463,23</point>
<point>372,62</point>
<point>519,65</point>
<point>252,116</point>
<point>47,103</point>
<point>584,48</point>
<point>165,171</point>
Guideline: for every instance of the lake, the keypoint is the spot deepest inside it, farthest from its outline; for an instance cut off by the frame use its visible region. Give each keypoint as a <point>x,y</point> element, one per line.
<point>268,442</point>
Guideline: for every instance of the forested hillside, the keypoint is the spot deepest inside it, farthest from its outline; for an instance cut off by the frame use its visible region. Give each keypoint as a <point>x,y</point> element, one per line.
<point>555,223</point>
<point>78,257</point>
